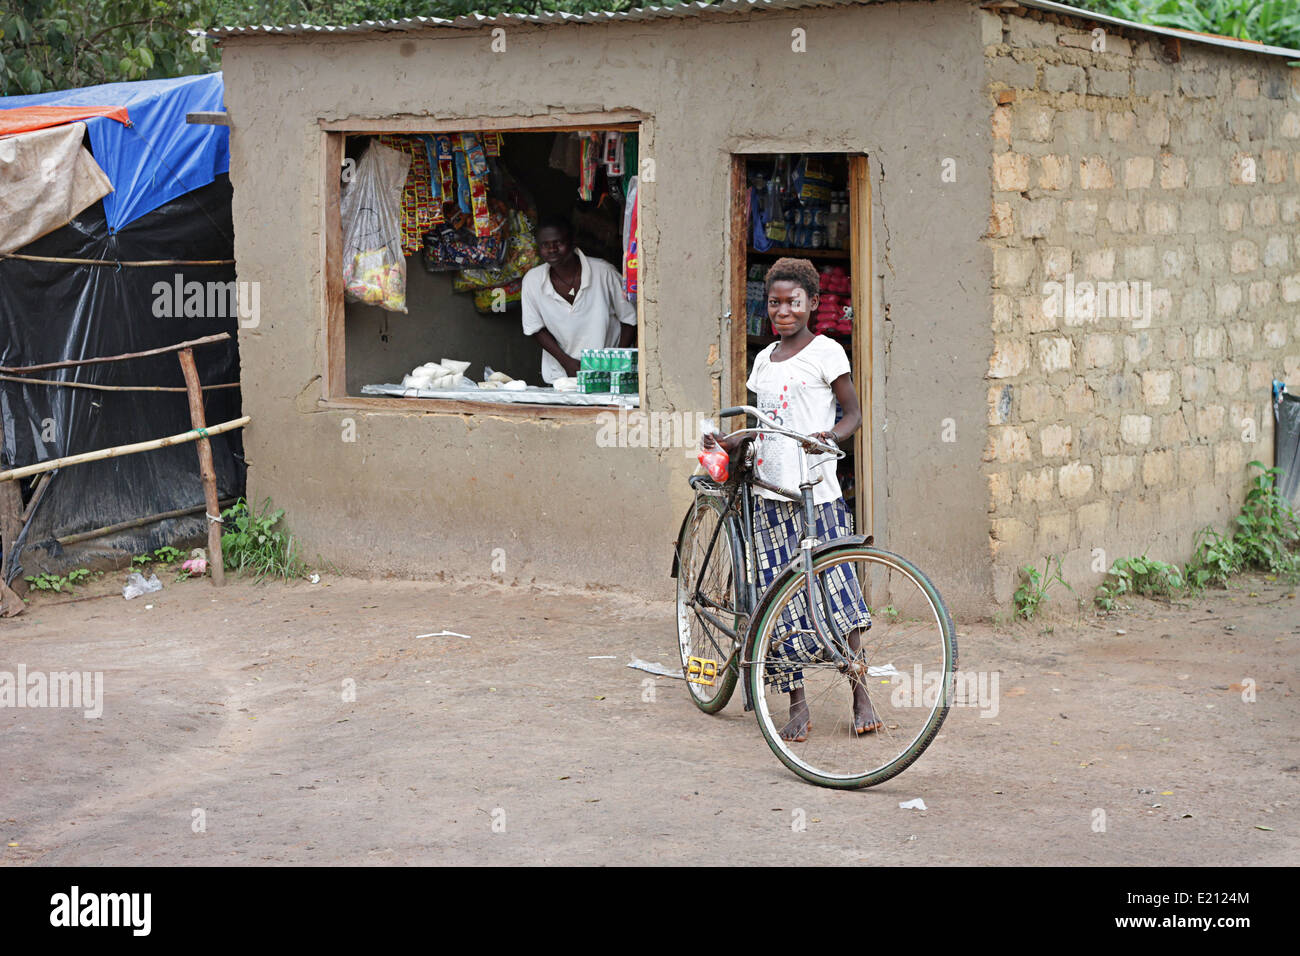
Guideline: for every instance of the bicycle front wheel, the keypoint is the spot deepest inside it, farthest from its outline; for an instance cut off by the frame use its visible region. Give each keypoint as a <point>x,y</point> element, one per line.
<point>708,586</point>
<point>905,664</point>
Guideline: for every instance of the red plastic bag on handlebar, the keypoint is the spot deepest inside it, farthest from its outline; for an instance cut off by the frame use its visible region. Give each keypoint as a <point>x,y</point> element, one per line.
<point>715,461</point>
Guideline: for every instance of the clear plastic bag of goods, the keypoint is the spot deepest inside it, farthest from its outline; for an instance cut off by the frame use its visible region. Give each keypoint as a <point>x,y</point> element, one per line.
<point>715,460</point>
<point>137,584</point>
<point>374,268</point>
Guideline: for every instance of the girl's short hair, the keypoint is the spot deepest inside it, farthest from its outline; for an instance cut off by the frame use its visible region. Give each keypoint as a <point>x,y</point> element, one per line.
<point>799,271</point>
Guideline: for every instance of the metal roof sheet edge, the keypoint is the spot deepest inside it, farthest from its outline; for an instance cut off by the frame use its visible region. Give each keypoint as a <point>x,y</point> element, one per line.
<point>475,21</point>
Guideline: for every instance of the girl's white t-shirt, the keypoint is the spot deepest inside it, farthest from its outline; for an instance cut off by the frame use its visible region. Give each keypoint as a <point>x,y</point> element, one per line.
<point>797,394</point>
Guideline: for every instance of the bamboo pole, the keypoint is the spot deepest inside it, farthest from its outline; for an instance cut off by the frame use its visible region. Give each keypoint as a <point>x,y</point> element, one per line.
<point>206,340</point>
<point>81,536</point>
<point>120,450</point>
<point>206,471</point>
<point>37,493</point>
<point>139,263</point>
<point>113,388</point>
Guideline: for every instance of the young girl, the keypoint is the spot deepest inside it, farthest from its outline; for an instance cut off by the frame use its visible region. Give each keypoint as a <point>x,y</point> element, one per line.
<point>798,380</point>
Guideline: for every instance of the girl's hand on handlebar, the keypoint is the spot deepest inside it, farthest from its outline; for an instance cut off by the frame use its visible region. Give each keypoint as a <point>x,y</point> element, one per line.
<point>729,445</point>
<point>826,438</point>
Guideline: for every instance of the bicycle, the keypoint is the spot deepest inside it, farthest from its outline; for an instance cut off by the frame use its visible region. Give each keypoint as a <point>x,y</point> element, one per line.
<point>906,659</point>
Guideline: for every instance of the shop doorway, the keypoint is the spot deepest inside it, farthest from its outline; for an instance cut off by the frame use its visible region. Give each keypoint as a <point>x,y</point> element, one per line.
<point>814,206</point>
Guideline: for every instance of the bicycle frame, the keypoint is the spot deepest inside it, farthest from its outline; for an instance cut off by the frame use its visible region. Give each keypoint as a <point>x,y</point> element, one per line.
<point>825,629</point>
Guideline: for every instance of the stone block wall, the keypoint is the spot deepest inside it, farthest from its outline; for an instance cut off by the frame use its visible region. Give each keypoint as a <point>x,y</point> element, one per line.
<point>1145,231</point>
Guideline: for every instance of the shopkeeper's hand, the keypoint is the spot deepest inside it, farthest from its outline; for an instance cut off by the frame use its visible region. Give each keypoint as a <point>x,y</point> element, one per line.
<point>571,366</point>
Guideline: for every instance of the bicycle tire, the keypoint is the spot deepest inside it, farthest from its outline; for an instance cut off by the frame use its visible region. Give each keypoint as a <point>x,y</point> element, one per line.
<point>692,638</point>
<point>923,629</point>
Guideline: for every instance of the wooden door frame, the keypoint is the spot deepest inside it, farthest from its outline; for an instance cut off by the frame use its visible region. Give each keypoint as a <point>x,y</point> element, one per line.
<point>862,344</point>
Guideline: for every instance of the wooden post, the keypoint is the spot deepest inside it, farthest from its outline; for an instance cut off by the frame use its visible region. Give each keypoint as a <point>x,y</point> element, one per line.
<point>738,264</point>
<point>11,524</point>
<point>863,342</point>
<point>209,474</point>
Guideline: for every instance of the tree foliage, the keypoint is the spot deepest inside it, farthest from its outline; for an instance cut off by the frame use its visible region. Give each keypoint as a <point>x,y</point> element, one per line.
<point>1275,22</point>
<point>59,44</point>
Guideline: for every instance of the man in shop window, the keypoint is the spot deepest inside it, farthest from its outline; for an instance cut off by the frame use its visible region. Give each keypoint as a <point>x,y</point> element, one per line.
<point>573,302</point>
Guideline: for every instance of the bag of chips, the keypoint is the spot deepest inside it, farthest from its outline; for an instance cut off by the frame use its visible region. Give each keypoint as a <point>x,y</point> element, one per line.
<point>498,298</point>
<point>453,244</point>
<point>521,255</point>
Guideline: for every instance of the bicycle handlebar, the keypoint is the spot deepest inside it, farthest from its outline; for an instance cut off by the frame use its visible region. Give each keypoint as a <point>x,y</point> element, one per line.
<point>808,442</point>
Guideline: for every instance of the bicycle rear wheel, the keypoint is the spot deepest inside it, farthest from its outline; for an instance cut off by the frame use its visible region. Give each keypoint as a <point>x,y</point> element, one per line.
<point>712,587</point>
<point>910,658</point>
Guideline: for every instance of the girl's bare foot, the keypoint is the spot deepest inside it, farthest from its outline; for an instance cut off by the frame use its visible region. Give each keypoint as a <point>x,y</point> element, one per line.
<point>799,726</point>
<point>865,720</point>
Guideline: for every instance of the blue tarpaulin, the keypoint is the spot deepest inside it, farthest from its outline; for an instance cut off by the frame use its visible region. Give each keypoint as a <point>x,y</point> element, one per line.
<point>160,156</point>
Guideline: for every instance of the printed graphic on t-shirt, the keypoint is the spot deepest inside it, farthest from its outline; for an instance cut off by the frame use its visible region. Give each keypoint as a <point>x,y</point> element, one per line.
<point>774,457</point>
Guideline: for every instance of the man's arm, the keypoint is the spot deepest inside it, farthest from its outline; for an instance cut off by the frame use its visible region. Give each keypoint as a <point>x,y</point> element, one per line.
<point>547,341</point>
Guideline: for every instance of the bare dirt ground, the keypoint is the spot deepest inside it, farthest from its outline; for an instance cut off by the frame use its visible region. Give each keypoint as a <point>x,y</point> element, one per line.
<point>231,703</point>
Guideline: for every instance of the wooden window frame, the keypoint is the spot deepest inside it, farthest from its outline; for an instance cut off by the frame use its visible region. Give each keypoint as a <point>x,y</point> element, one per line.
<point>333,135</point>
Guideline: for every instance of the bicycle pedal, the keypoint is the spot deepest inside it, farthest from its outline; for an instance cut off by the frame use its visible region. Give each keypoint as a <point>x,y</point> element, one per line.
<point>702,670</point>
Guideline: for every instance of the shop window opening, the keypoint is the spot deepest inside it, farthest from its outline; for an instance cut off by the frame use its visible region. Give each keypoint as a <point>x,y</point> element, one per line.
<point>485,268</point>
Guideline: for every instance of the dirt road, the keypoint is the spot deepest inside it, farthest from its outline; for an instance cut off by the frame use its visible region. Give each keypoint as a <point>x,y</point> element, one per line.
<point>226,738</point>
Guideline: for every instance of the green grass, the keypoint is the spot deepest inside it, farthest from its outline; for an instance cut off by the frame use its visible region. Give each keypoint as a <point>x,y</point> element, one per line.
<point>1032,593</point>
<point>257,544</point>
<point>1266,539</point>
<point>57,582</point>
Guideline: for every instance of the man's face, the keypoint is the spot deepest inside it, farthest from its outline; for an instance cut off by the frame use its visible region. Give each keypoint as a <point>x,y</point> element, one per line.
<point>553,245</point>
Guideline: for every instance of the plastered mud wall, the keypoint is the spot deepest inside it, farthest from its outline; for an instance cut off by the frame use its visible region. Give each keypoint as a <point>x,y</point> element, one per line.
<point>437,494</point>
<point>1164,182</point>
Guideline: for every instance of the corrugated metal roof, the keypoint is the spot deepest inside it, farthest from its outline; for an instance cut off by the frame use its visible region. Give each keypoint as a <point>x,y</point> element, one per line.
<point>698,9</point>
<point>475,20</point>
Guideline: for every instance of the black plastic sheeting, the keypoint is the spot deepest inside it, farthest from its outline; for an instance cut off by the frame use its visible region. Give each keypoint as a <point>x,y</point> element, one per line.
<point>51,312</point>
<point>1286,411</point>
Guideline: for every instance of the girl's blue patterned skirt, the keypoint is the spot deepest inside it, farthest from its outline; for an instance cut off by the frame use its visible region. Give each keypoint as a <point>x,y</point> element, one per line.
<point>776,543</point>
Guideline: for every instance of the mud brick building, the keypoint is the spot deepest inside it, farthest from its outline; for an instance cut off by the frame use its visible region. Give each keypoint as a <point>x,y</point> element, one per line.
<point>1074,245</point>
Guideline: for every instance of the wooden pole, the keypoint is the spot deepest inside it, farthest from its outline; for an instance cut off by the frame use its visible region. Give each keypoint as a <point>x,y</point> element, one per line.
<point>11,524</point>
<point>80,536</point>
<point>208,473</point>
<point>110,388</point>
<point>206,340</point>
<point>119,450</point>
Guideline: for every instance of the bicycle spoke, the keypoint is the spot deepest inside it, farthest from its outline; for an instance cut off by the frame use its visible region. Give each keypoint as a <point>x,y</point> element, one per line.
<point>909,634</point>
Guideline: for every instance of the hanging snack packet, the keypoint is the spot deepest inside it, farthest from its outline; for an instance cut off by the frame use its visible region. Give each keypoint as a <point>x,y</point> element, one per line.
<point>446,167</point>
<point>472,185</point>
<point>587,177</point>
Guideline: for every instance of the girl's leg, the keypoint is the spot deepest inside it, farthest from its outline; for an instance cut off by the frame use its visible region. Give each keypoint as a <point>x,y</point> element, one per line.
<point>865,720</point>
<point>850,612</point>
<point>776,535</point>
